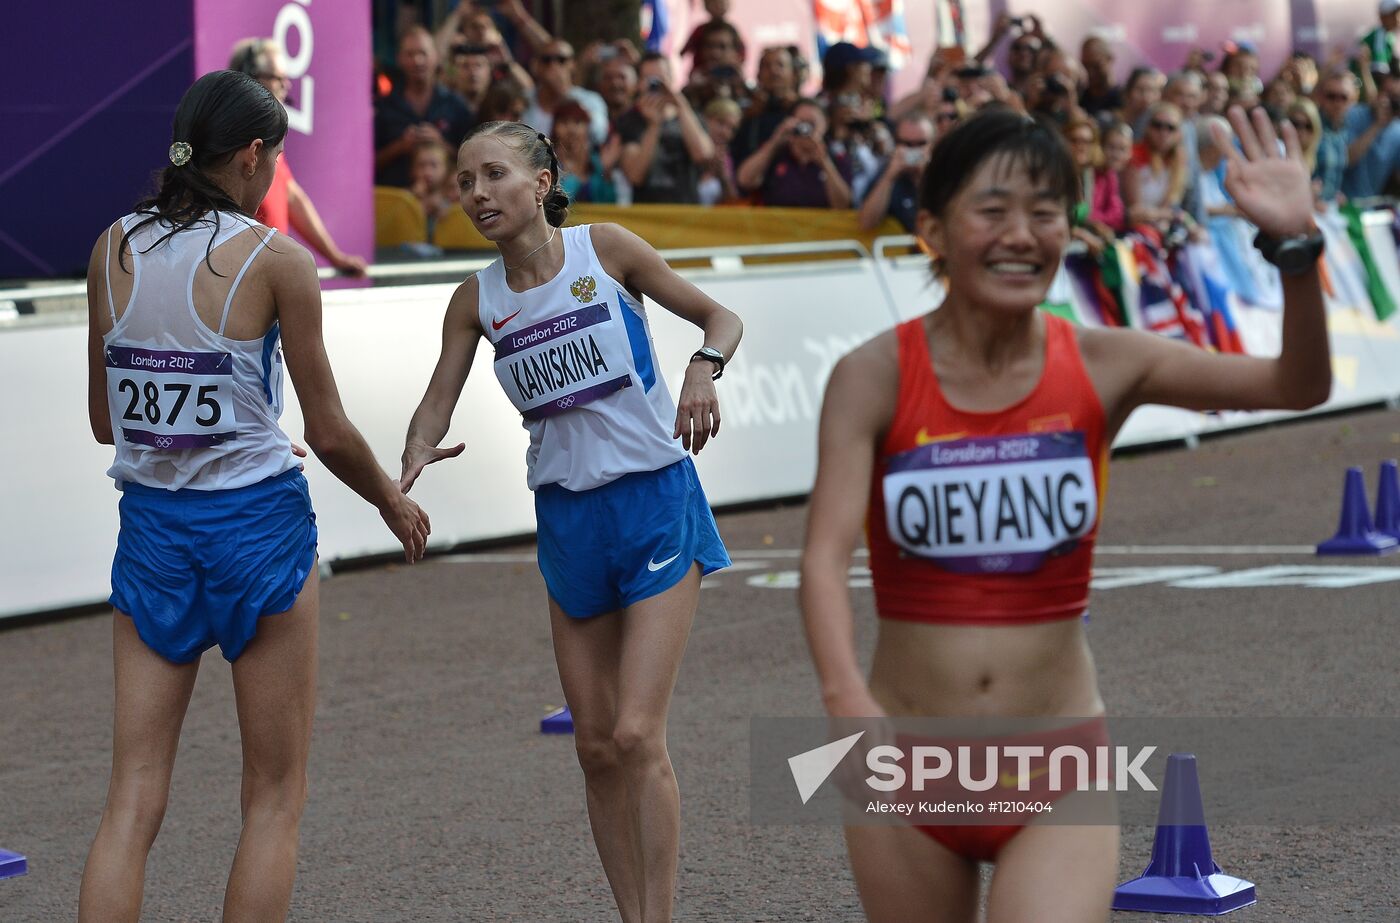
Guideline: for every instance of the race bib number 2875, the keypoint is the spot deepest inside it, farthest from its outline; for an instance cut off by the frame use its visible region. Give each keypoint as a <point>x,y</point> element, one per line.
<point>169,399</point>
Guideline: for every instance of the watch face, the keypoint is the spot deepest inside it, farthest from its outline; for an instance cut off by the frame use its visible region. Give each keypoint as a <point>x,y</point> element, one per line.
<point>1296,256</point>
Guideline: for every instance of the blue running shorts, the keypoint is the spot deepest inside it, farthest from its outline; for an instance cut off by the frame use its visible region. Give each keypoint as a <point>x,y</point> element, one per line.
<point>195,568</point>
<point>603,549</point>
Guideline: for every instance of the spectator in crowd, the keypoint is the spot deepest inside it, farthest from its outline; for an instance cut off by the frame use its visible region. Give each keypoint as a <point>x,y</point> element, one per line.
<point>1052,94</point>
<point>1301,73</point>
<point>432,163</point>
<point>896,192</point>
<point>617,84</point>
<point>469,25</point>
<point>663,142</point>
<point>506,101</point>
<point>1099,188</point>
<point>1307,122</point>
<point>855,132</point>
<point>586,171</point>
<point>1241,65</point>
<point>930,92</point>
<point>1028,39</point>
<point>1101,97</point>
<point>1215,201</point>
<point>1217,94</point>
<point>1277,97</point>
<point>1142,91</point>
<point>419,111</point>
<point>949,113</point>
<point>721,82</point>
<point>793,168</point>
<point>286,204</point>
<point>1117,143</point>
<point>1155,180</point>
<point>1185,91</point>
<point>719,13</point>
<point>471,74</point>
<point>772,101</point>
<point>1373,138</point>
<point>553,68</point>
<point>719,58</point>
<point>1336,94</point>
<point>717,184</point>
<point>846,68</point>
<point>1379,43</point>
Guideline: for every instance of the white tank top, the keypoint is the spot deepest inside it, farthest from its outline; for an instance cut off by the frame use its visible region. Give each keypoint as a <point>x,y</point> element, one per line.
<point>575,357</point>
<point>190,407</point>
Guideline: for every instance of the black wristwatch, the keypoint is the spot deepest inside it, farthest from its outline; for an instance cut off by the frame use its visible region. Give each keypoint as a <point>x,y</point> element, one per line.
<point>710,354</point>
<point>1292,255</point>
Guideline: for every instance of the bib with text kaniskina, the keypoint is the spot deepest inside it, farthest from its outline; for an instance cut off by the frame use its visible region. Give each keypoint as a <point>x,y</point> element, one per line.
<point>564,362</point>
<point>991,504</point>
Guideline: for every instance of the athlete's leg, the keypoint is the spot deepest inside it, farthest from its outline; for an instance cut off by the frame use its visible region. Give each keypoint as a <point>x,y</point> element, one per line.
<point>905,876</point>
<point>654,634</point>
<point>151,697</point>
<point>588,653</point>
<point>274,684</point>
<point>1055,874</point>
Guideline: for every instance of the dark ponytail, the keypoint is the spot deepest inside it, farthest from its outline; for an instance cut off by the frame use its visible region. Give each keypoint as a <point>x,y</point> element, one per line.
<point>538,152</point>
<point>222,113</point>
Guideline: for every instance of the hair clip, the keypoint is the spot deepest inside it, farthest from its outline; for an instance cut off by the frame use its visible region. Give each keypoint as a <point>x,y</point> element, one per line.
<point>180,153</point>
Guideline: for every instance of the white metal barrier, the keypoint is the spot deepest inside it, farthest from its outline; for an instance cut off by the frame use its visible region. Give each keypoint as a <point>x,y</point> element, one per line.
<point>59,520</point>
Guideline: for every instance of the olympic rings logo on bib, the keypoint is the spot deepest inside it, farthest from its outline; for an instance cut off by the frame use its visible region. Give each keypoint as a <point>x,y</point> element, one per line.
<point>163,442</point>
<point>564,403</point>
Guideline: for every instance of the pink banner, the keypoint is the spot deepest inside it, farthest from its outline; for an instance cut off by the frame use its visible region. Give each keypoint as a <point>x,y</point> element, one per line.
<point>330,145</point>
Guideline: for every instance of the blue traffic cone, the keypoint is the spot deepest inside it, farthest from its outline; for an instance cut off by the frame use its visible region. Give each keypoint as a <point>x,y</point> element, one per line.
<point>12,864</point>
<point>559,721</point>
<point>1182,877</point>
<point>1355,534</point>
<point>1388,501</point>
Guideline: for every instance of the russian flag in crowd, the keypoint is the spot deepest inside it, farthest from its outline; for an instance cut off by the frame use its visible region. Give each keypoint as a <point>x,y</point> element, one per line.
<point>876,23</point>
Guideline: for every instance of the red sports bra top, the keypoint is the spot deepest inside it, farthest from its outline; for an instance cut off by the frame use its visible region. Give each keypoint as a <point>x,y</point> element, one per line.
<point>988,518</point>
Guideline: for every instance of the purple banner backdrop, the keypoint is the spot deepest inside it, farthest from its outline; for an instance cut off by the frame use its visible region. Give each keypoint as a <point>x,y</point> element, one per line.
<point>86,115</point>
<point>330,144</point>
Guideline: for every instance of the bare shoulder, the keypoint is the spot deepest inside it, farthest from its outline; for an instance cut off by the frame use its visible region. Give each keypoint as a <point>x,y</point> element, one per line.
<point>610,235</point>
<point>864,384</point>
<point>463,306</point>
<point>285,259</point>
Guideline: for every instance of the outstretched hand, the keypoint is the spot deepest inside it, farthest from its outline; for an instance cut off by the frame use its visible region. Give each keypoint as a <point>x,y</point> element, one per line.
<point>419,455</point>
<point>1271,189</point>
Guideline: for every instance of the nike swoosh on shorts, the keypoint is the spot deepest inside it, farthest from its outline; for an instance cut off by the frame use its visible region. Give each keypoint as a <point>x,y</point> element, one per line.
<point>655,566</point>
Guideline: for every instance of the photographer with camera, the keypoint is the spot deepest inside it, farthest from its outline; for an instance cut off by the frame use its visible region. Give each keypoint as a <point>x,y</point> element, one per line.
<point>794,168</point>
<point>1028,38</point>
<point>663,142</point>
<point>896,192</point>
<point>1373,140</point>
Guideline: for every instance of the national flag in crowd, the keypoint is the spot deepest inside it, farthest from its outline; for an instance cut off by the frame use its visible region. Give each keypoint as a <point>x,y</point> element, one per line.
<point>656,24</point>
<point>874,23</point>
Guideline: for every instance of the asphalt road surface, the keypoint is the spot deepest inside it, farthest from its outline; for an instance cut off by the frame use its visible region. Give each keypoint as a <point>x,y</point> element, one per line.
<point>434,798</point>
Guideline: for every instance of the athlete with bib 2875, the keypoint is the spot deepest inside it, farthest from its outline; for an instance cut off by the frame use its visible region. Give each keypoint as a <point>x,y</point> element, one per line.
<point>625,532</point>
<point>190,301</point>
<point>972,443</point>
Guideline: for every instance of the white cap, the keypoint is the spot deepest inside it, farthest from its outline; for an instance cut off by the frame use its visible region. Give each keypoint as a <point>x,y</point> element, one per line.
<point>1389,6</point>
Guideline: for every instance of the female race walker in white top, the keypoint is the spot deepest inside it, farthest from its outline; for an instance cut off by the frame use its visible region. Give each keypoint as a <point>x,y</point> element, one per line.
<point>187,299</point>
<point>989,398</point>
<point>625,532</point>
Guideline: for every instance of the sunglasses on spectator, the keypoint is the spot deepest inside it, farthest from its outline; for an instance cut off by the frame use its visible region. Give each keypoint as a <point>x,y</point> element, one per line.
<point>1302,124</point>
<point>1025,46</point>
<point>912,142</point>
<point>556,58</point>
<point>1336,97</point>
<point>946,117</point>
<point>1164,126</point>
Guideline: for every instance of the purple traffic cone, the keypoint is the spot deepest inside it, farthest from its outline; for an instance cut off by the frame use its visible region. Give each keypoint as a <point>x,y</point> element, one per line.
<point>1355,534</point>
<point>559,721</point>
<point>12,864</point>
<point>1182,877</point>
<point>1388,501</point>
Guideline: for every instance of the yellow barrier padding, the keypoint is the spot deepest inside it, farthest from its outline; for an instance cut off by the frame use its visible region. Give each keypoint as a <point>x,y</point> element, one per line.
<point>676,227</point>
<point>398,217</point>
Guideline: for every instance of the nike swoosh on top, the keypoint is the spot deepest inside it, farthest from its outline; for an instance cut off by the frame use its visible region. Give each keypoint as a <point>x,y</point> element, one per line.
<point>655,565</point>
<point>498,324</point>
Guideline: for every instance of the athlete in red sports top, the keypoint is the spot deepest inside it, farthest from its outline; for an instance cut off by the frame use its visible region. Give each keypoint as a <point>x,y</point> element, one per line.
<point>972,442</point>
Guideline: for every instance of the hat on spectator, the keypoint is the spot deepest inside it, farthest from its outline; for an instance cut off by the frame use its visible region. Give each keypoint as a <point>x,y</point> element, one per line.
<point>1389,6</point>
<point>844,54</point>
